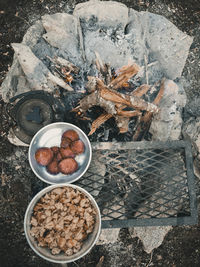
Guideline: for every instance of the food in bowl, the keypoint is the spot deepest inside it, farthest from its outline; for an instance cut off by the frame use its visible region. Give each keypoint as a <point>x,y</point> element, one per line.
<point>71,134</point>
<point>62,220</point>
<point>68,165</point>
<point>44,156</point>
<point>61,159</point>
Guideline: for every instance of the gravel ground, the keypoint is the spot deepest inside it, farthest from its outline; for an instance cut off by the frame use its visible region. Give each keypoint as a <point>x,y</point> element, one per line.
<point>18,184</point>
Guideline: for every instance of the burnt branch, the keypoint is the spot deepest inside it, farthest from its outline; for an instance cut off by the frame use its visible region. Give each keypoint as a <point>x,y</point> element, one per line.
<point>146,119</point>
<point>125,73</point>
<point>115,104</point>
<point>99,121</point>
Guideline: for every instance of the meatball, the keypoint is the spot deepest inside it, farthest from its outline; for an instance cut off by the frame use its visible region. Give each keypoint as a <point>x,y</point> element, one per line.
<point>44,156</point>
<point>65,142</point>
<point>71,134</point>
<point>68,166</point>
<point>52,167</point>
<point>77,147</point>
<point>67,152</point>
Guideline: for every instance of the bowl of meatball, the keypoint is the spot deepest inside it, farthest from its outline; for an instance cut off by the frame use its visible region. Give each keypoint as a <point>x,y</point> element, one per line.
<point>62,223</point>
<point>60,153</point>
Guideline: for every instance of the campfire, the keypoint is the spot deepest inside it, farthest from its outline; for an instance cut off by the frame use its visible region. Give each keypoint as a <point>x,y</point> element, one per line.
<point>104,92</point>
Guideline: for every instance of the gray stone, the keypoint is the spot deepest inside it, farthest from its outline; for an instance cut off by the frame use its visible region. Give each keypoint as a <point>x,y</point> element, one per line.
<point>151,237</point>
<point>37,74</point>
<point>102,15</point>
<point>62,33</point>
<point>192,109</point>
<point>168,45</point>
<point>9,87</point>
<point>109,51</point>
<point>197,167</point>
<point>191,130</point>
<point>108,236</point>
<point>168,122</point>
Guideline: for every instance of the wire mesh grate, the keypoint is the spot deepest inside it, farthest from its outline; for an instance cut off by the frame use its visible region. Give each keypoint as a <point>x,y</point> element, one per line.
<point>142,183</point>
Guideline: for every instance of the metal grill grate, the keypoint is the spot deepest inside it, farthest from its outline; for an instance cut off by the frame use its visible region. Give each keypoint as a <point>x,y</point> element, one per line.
<point>142,183</point>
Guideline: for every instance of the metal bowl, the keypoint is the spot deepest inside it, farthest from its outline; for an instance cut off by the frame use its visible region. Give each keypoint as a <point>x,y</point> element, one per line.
<point>45,252</point>
<point>49,136</point>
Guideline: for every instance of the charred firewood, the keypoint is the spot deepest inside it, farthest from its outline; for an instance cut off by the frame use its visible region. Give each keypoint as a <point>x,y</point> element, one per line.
<point>104,69</point>
<point>145,121</point>
<point>99,121</point>
<point>103,93</point>
<point>125,73</point>
<point>140,91</point>
<point>130,101</point>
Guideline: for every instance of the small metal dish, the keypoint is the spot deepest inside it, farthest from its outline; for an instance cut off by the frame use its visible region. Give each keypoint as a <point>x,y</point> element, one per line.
<point>49,136</point>
<point>45,252</point>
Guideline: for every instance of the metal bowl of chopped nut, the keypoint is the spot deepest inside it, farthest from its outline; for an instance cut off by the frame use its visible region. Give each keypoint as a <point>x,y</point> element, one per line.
<point>62,223</point>
<point>60,153</point>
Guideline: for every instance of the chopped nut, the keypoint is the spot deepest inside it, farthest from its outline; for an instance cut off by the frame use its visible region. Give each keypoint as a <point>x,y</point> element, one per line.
<point>61,242</point>
<point>55,251</point>
<point>62,219</point>
<point>34,221</point>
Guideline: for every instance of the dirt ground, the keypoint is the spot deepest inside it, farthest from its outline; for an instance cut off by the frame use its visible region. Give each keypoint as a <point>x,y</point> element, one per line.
<point>18,184</point>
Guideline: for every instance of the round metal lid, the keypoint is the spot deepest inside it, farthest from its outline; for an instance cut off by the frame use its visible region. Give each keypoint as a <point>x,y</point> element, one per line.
<point>33,114</point>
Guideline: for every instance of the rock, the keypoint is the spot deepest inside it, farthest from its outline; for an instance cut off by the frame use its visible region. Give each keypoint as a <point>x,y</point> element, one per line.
<point>151,237</point>
<point>99,22</point>
<point>102,43</point>
<point>167,123</point>
<point>37,74</point>
<point>62,32</point>
<point>10,87</point>
<point>168,45</point>
<point>192,109</point>
<point>102,15</point>
<point>161,41</point>
<point>108,236</point>
<point>191,131</point>
<point>111,235</point>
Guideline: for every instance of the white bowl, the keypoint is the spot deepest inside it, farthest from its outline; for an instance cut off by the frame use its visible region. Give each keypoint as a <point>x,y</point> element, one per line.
<point>45,253</point>
<point>49,136</point>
